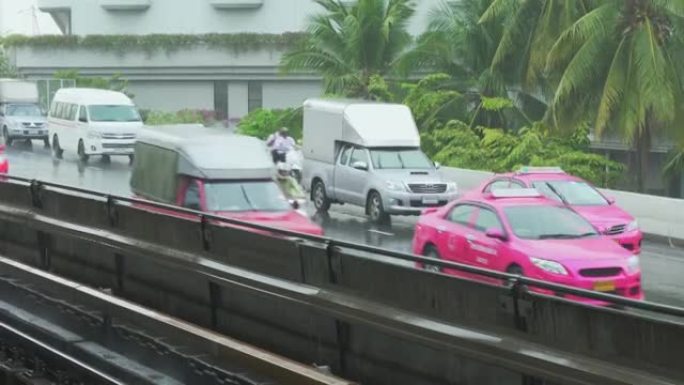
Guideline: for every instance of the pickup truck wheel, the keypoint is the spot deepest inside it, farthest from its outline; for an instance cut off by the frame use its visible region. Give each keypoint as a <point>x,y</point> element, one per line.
<point>320,198</point>
<point>56,149</point>
<point>46,142</point>
<point>7,137</point>
<point>82,156</point>
<point>375,209</point>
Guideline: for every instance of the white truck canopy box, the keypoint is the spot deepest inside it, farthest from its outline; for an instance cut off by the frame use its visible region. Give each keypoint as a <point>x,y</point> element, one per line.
<point>18,91</point>
<point>365,123</point>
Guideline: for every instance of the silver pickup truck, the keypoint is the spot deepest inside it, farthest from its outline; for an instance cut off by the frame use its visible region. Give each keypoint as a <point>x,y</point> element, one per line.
<point>368,154</point>
<point>21,117</point>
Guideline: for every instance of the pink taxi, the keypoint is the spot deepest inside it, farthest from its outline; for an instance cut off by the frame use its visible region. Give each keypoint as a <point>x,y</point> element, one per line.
<point>577,193</point>
<point>520,231</point>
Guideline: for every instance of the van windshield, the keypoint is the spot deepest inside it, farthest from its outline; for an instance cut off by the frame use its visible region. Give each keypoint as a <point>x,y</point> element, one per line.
<point>245,196</point>
<point>113,114</point>
<point>23,110</point>
<point>399,159</point>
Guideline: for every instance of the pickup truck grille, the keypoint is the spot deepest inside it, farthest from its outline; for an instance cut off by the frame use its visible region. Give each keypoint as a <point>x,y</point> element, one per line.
<point>118,136</point>
<point>619,229</point>
<point>424,188</point>
<point>32,125</point>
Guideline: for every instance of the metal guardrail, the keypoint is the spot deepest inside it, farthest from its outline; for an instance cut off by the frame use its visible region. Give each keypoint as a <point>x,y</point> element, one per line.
<point>517,282</point>
<point>333,301</point>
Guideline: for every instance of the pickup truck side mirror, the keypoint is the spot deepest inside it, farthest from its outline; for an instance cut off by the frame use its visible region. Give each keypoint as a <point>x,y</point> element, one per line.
<point>360,166</point>
<point>438,165</point>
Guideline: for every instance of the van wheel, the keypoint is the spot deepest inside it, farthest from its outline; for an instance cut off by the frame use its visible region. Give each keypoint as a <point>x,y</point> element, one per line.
<point>106,159</point>
<point>320,198</point>
<point>82,156</point>
<point>131,158</point>
<point>375,209</point>
<point>431,252</point>
<point>7,137</point>
<point>56,149</point>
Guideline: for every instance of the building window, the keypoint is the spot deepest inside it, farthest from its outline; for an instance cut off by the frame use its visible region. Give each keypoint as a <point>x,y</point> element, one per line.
<point>255,95</point>
<point>221,100</point>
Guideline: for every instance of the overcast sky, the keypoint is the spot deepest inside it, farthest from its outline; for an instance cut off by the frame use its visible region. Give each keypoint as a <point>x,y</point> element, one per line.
<point>16,17</point>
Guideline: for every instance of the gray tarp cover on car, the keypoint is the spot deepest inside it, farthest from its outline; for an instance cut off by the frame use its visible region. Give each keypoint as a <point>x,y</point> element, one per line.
<point>164,152</point>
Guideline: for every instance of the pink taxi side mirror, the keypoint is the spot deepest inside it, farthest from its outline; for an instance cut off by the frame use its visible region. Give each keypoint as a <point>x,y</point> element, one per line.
<point>611,200</point>
<point>496,234</point>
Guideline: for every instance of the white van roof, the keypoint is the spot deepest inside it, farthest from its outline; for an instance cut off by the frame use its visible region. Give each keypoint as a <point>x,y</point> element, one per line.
<point>92,96</point>
<point>210,153</point>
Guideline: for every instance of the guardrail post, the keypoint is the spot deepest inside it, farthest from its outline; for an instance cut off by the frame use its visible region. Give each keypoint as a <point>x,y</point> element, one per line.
<point>120,265</point>
<point>35,189</point>
<point>342,332</point>
<point>334,264</point>
<point>214,303</point>
<point>44,241</point>
<point>112,214</point>
<point>205,233</point>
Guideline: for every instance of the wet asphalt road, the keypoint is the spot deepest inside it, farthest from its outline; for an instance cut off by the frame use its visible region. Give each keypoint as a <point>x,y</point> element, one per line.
<point>662,265</point>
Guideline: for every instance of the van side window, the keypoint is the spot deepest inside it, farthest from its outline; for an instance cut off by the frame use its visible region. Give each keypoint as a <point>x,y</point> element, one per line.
<point>345,155</point>
<point>73,111</point>
<point>59,107</point>
<point>83,115</point>
<point>192,196</point>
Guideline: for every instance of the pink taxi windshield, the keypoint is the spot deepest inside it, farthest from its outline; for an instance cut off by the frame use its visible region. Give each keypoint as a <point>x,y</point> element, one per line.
<point>571,192</point>
<point>547,222</point>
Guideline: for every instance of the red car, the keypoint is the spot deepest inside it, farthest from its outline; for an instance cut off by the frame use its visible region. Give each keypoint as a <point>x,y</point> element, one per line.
<point>519,231</point>
<point>4,162</point>
<point>577,193</point>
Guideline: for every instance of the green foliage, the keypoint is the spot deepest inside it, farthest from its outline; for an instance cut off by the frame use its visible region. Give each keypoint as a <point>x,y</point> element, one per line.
<point>6,69</point>
<point>496,103</point>
<point>114,83</point>
<point>350,44</point>
<point>433,103</point>
<point>263,122</point>
<point>496,150</point>
<point>186,116</point>
<point>168,43</point>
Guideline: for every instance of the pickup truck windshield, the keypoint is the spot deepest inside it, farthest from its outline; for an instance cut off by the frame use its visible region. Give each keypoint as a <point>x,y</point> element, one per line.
<point>245,196</point>
<point>113,114</point>
<point>399,159</point>
<point>28,110</point>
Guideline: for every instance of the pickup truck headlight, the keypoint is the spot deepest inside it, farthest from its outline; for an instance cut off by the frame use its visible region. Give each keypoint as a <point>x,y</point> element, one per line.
<point>395,186</point>
<point>451,187</point>
<point>550,266</point>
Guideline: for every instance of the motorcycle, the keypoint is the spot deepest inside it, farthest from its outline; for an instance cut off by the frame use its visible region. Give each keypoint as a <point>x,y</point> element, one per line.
<point>293,159</point>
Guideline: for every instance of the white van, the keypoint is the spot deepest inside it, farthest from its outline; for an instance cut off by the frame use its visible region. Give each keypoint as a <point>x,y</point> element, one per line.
<point>93,122</point>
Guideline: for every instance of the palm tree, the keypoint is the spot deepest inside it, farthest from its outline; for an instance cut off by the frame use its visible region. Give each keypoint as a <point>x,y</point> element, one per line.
<point>531,27</point>
<point>620,66</point>
<point>350,44</point>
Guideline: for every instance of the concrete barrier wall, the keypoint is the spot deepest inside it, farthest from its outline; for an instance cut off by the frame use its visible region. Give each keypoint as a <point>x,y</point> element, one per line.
<point>160,262</point>
<point>658,216</point>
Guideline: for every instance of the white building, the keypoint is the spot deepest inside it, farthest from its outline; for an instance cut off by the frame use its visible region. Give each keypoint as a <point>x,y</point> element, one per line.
<point>197,76</point>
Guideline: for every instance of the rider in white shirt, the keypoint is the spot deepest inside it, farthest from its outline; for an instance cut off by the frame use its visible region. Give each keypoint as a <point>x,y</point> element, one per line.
<point>280,144</point>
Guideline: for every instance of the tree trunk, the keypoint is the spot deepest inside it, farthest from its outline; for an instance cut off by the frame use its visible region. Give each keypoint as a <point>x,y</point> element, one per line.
<point>642,146</point>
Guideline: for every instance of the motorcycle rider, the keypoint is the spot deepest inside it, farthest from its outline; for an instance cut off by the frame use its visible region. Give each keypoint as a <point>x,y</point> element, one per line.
<point>280,144</point>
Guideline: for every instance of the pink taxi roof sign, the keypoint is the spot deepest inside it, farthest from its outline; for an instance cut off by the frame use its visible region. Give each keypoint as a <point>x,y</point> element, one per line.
<point>540,170</point>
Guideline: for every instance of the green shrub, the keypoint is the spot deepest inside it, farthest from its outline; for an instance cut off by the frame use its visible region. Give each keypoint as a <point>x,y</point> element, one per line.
<point>263,122</point>
<point>186,116</point>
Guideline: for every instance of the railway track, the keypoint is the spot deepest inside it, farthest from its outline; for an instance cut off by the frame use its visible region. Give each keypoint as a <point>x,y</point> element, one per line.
<point>53,331</point>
